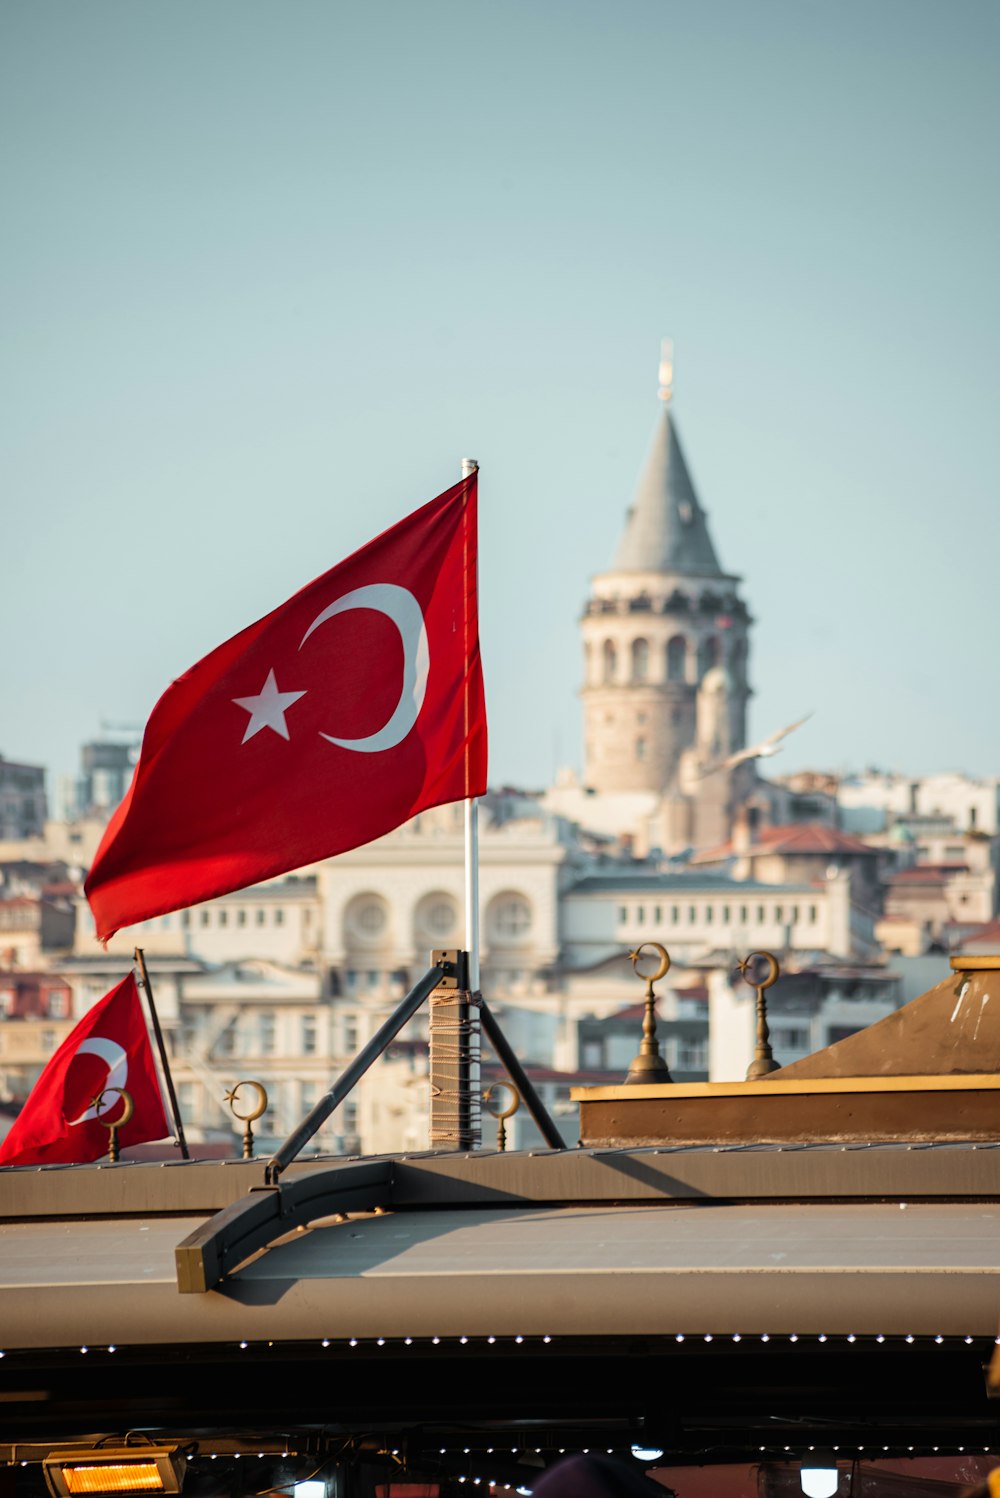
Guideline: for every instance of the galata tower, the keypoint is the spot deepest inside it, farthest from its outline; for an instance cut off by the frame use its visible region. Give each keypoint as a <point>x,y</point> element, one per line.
<point>655,624</point>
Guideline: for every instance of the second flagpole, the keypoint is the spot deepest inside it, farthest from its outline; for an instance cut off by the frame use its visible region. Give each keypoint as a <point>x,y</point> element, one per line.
<point>140,958</point>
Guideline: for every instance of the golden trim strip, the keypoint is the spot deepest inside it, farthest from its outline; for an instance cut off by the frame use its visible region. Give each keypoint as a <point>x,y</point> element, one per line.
<point>974,1082</point>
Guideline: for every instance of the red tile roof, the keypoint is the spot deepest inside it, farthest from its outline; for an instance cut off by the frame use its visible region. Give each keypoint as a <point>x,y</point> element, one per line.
<point>980,936</point>
<point>797,837</point>
<point>928,873</point>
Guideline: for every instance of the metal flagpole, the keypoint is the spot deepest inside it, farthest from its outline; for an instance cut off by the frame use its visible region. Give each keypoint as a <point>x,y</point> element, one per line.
<point>140,958</point>
<point>469,467</point>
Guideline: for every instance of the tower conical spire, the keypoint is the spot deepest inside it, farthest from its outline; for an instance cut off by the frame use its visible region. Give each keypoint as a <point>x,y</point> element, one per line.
<point>666,529</point>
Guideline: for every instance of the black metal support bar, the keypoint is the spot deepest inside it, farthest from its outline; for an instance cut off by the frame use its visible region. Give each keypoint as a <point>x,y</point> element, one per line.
<point>216,1249</point>
<point>383,1037</point>
<point>520,1078</point>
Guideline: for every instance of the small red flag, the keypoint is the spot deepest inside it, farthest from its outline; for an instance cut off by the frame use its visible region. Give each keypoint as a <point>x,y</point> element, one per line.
<point>343,713</point>
<point>61,1121</point>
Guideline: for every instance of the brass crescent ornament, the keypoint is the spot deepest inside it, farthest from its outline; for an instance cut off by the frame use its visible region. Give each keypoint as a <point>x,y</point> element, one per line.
<point>663,967</point>
<point>490,1100</point>
<point>255,1113</point>
<point>772,974</point>
<point>128,1106</point>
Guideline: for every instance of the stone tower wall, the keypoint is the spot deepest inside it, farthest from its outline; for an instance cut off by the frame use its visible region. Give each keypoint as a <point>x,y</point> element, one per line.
<point>648,640</point>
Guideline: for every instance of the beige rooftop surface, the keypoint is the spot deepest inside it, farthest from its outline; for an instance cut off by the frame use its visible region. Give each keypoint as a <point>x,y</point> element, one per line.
<point>666,1268</point>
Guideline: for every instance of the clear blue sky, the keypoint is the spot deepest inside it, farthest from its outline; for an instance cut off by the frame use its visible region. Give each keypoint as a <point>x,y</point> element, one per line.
<point>271,270</point>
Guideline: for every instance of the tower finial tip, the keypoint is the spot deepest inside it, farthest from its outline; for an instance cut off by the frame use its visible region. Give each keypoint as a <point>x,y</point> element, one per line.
<point>666,389</point>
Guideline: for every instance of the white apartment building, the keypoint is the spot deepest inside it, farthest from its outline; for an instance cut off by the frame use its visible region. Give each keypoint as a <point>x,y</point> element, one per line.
<point>872,801</point>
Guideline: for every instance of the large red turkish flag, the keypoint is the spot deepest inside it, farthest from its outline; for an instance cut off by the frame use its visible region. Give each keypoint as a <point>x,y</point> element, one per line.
<point>61,1121</point>
<point>350,708</point>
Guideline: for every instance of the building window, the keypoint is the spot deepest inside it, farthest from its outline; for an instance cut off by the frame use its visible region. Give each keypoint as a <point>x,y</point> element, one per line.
<point>760,915</point>
<point>640,915</point>
<point>511,916</point>
<point>794,1038</point>
<point>223,917</point>
<point>676,658</point>
<point>709,913</point>
<point>592,1055</point>
<point>640,749</point>
<point>241,918</point>
<point>708,655</point>
<point>658,914</point>
<point>48,1040</point>
<point>622,914</point>
<point>261,917</point>
<point>350,1117</point>
<point>640,660</point>
<point>743,915</point>
<point>779,912</point>
<point>725,915</point>
<point>691,1055</point>
<point>436,917</point>
<point>205,917</point>
<point>185,919</point>
<point>675,914</point>
<point>813,915</point>
<point>265,1033</point>
<point>840,1032</point>
<point>308,1035</point>
<point>692,915</point>
<point>609,659</point>
<point>368,917</point>
<point>279,916</point>
<point>795,915</point>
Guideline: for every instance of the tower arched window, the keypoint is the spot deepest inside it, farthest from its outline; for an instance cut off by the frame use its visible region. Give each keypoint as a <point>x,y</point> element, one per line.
<point>708,655</point>
<point>676,658</point>
<point>640,660</point>
<point>609,660</point>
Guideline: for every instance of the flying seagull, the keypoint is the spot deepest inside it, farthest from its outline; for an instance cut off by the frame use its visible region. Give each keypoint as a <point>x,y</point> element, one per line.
<point>763,750</point>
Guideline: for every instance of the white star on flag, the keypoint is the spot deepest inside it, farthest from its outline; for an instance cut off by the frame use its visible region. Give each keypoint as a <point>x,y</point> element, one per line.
<point>268,708</point>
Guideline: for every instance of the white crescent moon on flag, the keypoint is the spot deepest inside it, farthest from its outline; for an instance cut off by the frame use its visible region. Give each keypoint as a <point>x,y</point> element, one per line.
<point>399,605</point>
<point>117,1063</point>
